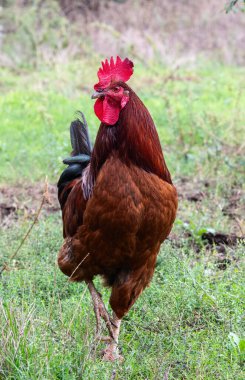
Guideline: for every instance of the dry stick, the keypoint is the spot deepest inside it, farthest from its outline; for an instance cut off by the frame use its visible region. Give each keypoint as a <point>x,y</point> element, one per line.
<point>239,223</point>
<point>69,279</point>
<point>44,199</point>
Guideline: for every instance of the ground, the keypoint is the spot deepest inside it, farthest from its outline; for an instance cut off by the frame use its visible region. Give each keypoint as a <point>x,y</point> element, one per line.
<point>189,324</point>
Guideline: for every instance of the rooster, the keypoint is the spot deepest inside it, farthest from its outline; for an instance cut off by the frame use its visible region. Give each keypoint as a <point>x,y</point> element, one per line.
<point>117,199</point>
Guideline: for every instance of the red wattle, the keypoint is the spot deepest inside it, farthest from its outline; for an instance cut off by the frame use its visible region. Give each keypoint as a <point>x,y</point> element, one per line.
<point>98,108</point>
<point>106,111</point>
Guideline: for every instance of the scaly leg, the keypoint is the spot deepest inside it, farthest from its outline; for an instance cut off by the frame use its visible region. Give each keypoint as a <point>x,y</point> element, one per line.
<point>111,352</point>
<point>100,312</point>
<point>95,301</point>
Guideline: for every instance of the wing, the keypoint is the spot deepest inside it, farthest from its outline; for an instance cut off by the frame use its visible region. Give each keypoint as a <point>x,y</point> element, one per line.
<point>130,211</point>
<point>74,207</point>
<point>122,226</point>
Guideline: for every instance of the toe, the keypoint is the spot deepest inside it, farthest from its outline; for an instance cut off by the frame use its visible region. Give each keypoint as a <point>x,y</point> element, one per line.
<point>111,355</point>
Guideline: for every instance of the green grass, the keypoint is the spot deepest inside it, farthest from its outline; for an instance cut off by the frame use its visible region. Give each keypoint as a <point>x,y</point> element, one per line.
<point>195,109</point>
<point>182,325</point>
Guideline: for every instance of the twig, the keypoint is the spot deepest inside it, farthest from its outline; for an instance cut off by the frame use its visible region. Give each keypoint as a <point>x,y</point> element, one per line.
<point>78,266</point>
<point>239,223</point>
<point>45,198</point>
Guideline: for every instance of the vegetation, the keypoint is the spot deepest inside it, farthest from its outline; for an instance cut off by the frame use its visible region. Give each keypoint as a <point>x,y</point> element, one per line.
<point>181,327</point>
<point>233,3</point>
<point>189,324</point>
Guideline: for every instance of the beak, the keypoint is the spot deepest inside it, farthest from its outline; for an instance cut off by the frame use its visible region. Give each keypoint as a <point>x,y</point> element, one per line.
<point>97,94</point>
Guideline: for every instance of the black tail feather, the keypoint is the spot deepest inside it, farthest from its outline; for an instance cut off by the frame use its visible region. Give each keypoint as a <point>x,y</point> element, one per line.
<point>80,157</point>
<point>80,140</point>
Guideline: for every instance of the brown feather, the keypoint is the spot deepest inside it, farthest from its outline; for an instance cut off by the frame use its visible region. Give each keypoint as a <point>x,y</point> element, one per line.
<point>117,233</point>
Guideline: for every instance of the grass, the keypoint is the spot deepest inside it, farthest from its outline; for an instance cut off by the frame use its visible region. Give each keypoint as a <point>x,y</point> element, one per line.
<point>191,110</point>
<point>182,326</point>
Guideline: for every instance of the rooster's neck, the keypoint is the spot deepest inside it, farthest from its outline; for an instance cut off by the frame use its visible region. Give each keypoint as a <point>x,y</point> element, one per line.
<point>135,139</point>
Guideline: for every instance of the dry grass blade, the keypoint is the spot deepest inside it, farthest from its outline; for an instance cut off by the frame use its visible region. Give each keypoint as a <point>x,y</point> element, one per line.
<point>70,278</point>
<point>45,198</point>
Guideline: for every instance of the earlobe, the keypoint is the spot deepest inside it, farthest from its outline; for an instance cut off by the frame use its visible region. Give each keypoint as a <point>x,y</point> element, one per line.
<point>125,99</point>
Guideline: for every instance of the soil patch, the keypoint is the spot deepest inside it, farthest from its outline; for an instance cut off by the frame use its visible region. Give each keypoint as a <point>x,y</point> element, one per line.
<point>24,201</point>
<point>221,239</point>
<point>192,191</point>
<point>234,206</point>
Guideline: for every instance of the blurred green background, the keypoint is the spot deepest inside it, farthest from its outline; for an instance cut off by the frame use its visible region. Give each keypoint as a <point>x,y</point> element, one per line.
<point>189,71</point>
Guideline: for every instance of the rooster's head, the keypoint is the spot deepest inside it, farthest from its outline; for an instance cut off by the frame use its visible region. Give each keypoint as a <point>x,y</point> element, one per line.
<point>111,96</point>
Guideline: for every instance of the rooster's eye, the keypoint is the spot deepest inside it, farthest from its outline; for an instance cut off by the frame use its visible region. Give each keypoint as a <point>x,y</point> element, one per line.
<point>116,89</point>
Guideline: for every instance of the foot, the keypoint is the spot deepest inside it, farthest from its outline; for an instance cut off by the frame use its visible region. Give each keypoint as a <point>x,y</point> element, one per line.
<point>111,354</point>
<point>113,325</point>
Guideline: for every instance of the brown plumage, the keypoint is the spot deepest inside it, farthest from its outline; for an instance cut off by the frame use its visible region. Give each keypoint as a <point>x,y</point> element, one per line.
<point>119,210</point>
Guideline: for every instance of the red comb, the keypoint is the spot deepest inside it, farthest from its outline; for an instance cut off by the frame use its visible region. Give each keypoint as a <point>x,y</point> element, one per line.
<point>114,72</point>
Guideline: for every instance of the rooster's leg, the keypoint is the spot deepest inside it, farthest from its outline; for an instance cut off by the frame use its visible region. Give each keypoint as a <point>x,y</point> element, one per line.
<point>100,312</point>
<point>111,352</point>
<point>94,296</point>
